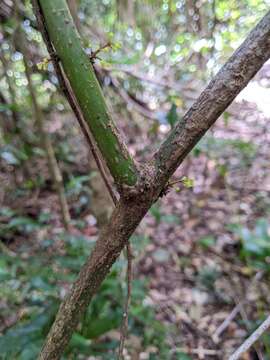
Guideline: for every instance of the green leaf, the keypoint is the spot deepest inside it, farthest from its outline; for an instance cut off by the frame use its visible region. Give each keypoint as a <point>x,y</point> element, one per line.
<point>32,351</point>
<point>156,213</point>
<point>21,337</point>
<point>43,65</point>
<point>76,184</point>
<point>80,342</point>
<point>39,283</point>
<point>23,222</point>
<point>181,356</point>
<point>207,241</point>
<point>94,328</point>
<point>172,116</point>
<point>6,212</point>
<point>4,272</point>
<point>5,107</point>
<point>187,182</point>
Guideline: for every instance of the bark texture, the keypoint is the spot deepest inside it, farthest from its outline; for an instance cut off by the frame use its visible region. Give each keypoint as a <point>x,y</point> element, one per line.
<point>134,204</point>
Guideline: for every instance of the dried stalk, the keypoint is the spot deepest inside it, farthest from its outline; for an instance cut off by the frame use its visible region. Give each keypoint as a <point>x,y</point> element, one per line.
<point>251,340</point>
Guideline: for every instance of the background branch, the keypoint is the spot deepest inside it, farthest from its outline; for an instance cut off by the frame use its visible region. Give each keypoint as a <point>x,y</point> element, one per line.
<point>251,340</point>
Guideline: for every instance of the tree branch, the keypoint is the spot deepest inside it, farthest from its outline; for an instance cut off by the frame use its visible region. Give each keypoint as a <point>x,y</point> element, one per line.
<point>124,328</point>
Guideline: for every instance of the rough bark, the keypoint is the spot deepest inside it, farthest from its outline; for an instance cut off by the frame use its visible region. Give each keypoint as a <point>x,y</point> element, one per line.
<point>132,207</point>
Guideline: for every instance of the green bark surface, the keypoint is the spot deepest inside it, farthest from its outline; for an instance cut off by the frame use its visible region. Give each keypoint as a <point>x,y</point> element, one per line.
<point>80,73</point>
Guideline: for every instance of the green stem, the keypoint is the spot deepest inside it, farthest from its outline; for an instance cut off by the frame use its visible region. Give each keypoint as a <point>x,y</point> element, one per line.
<point>81,76</point>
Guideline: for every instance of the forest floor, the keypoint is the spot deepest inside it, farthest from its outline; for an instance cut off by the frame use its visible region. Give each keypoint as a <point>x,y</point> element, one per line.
<point>203,280</point>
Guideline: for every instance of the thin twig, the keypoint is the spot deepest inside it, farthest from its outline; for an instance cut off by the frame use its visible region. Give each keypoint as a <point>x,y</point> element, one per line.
<point>146,78</point>
<point>244,316</point>
<point>223,326</point>
<point>94,54</point>
<point>127,98</point>
<point>124,328</point>
<point>251,340</point>
<point>199,351</point>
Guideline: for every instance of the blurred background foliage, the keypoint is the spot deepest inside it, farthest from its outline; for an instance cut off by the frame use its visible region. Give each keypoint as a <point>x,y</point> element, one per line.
<point>161,55</point>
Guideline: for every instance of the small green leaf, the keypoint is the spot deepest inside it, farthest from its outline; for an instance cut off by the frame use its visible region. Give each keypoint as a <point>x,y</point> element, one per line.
<point>43,65</point>
<point>156,213</point>
<point>23,222</point>
<point>187,182</point>
<point>172,116</point>
<point>182,356</point>
<point>207,241</point>
<point>99,326</point>
<point>116,46</point>
<point>80,342</point>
